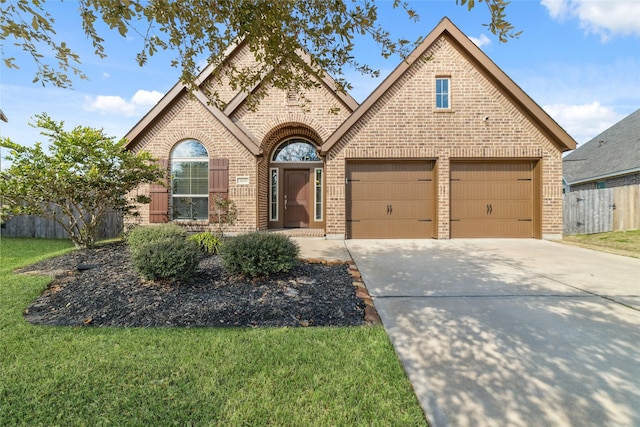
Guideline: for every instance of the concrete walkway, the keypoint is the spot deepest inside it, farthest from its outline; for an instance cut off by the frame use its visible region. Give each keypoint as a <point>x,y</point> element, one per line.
<point>321,249</point>
<point>510,332</point>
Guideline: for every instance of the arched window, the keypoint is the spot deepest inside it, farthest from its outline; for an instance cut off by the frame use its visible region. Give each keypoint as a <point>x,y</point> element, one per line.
<point>295,150</point>
<point>190,181</point>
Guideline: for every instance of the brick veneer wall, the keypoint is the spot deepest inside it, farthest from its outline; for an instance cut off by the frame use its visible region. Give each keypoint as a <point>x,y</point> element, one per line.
<point>404,124</point>
<point>617,181</point>
<point>314,116</point>
<point>189,119</point>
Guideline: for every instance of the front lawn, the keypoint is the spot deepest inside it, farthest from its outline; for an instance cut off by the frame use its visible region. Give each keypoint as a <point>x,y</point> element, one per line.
<point>188,376</point>
<point>618,242</point>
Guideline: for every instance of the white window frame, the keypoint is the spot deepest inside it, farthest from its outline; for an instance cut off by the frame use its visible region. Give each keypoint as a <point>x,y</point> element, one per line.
<point>447,93</point>
<point>273,196</point>
<point>188,160</point>
<point>318,185</point>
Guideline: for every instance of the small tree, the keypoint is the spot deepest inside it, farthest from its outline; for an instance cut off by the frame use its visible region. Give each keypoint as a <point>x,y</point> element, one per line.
<point>225,213</point>
<point>84,176</point>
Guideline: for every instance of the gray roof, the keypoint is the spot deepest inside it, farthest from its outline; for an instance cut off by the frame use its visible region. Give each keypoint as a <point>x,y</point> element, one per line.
<point>616,151</point>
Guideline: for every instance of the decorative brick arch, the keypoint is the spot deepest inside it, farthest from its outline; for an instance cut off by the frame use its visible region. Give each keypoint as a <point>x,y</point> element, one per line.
<point>285,120</point>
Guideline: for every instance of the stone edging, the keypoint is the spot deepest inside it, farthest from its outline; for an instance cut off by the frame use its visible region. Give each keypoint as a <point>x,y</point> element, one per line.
<point>371,315</point>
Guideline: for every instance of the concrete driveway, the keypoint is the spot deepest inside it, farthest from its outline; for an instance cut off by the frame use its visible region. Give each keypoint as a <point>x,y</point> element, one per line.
<point>510,332</point>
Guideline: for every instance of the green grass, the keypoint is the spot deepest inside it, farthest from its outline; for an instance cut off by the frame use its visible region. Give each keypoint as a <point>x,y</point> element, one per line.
<point>162,376</point>
<point>618,242</point>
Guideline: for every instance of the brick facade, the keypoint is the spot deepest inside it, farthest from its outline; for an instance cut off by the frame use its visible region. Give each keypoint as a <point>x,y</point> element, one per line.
<point>484,122</point>
<point>616,181</point>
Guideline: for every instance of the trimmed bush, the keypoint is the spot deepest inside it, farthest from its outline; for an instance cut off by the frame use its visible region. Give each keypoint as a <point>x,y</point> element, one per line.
<point>208,243</point>
<point>259,254</point>
<point>168,258</point>
<point>142,235</point>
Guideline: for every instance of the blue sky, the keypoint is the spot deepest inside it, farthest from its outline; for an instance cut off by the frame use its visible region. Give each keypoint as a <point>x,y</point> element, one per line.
<point>578,59</point>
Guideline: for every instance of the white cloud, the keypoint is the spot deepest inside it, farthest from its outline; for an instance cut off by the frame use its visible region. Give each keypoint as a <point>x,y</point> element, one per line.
<point>106,104</point>
<point>606,18</point>
<point>483,40</point>
<point>585,121</point>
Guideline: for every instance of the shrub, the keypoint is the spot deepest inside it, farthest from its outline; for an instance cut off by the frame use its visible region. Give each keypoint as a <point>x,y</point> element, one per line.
<point>259,254</point>
<point>207,242</point>
<point>142,235</point>
<point>167,258</point>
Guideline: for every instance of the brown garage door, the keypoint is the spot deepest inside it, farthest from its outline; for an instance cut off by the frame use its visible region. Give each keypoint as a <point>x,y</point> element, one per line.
<point>493,199</point>
<point>389,200</point>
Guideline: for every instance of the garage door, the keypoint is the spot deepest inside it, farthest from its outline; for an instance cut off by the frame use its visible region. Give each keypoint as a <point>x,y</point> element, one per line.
<point>493,199</point>
<point>390,200</point>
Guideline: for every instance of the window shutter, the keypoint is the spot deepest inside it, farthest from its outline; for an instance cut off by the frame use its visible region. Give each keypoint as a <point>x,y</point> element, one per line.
<point>218,183</point>
<point>159,194</point>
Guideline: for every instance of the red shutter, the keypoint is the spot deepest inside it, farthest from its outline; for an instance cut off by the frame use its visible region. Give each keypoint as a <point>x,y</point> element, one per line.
<point>159,194</point>
<point>218,183</point>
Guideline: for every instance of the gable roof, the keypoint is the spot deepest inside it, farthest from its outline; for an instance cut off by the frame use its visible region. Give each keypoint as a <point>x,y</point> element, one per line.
<point>616,151</point>
<point>446,28</point>
<point>224,116</point>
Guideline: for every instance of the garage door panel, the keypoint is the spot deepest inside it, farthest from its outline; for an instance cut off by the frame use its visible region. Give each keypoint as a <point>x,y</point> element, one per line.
<point>384,191</point>
<point>462,190</point>
<point>515,209</point>
<point>384,229</point>
<point>490,171</point>
<point>392,211</point>
<point>491,228</point>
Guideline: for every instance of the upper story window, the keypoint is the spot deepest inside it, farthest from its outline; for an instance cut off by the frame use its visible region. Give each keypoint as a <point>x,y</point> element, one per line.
<point>190,181</point>
<point>295,150</point>
<point>443,93</point>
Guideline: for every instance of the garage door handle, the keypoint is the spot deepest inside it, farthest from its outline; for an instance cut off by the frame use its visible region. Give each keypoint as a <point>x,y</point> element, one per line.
<point>489,209</point>
<point>391,209</point>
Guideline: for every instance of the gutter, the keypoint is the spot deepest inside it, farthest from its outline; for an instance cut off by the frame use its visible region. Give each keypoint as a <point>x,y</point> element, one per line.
<point>608,175</point>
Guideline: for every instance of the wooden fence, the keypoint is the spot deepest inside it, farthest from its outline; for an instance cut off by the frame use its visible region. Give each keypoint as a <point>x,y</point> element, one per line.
<point>35,226</point>
<point>602,210</point>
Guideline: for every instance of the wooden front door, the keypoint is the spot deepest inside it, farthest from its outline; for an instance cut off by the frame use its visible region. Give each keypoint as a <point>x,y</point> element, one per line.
<point>296,198</point>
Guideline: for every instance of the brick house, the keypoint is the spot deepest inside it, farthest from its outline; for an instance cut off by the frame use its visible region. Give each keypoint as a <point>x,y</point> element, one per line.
<point>447,146</point>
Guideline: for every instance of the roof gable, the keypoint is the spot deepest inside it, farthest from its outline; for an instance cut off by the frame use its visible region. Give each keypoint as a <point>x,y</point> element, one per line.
<point>480,60</point>
<point>615,151</point>
<point>224,116</point>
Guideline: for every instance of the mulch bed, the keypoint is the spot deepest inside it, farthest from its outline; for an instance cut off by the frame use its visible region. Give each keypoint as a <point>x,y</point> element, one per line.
<point>98,287</point>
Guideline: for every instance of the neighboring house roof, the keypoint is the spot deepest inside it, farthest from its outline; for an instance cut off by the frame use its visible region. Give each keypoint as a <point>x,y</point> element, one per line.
<point>519,98</point>
<point>224,116</point>
<point>3,117</point>
<point>614,152</point>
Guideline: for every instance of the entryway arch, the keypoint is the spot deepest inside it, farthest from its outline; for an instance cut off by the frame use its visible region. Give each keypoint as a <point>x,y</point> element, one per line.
<point>293,181</point>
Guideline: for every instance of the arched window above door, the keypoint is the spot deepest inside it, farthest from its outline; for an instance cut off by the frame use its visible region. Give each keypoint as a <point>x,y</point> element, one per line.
<point>295,150</point>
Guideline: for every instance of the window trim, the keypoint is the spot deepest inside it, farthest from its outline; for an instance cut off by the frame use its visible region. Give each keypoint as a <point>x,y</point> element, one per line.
<point>273,196</point>
<point>318,216</point>
<point>446,94</point>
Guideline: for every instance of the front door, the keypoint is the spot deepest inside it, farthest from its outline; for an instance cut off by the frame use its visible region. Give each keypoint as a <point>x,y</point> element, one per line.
<point>296,198</point>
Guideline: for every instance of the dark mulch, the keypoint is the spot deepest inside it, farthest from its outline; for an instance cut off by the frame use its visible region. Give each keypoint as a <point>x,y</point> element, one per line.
<point>99,287</point>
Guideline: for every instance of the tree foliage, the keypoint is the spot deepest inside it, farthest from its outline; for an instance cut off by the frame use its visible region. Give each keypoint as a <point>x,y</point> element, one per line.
<point>84,175</point>
<point>276,31</point>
